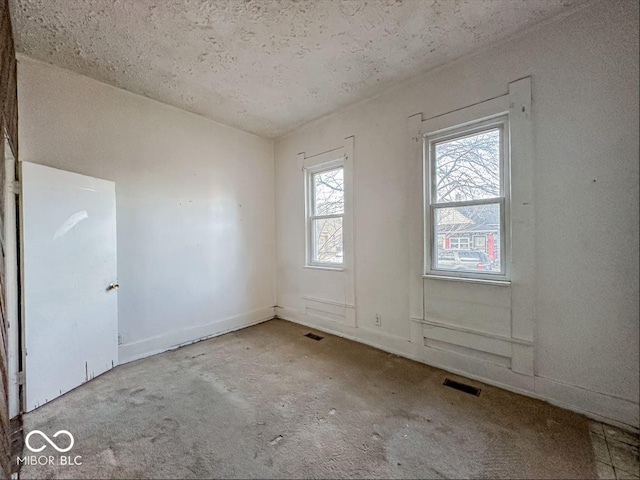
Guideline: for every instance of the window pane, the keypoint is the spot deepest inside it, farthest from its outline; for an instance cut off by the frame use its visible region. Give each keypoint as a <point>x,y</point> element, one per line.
<point>327,235</point>
<point>458,230</point>
<point>468,168</point>
<point>328,192</point>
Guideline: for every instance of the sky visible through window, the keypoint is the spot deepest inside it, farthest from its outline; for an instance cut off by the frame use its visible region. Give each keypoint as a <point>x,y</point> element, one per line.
<point>328,198</point>
<point>467,169</point>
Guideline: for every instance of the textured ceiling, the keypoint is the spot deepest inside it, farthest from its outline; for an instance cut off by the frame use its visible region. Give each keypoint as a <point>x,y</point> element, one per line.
<point>266,66</point>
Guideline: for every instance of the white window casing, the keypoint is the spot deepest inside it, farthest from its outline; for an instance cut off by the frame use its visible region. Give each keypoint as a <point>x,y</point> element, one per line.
<point>313,216</point>
<point>313,164</point>
<point>475,314</point>
<point>500,123</point>
<point>318,300</point>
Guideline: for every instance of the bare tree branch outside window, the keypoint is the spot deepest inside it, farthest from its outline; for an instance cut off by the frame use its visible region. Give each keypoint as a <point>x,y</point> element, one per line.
<point>467,168</point>
<point>328,197</point>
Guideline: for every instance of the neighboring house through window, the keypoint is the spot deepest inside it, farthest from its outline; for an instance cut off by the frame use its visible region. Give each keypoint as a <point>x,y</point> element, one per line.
<point>467,187</point>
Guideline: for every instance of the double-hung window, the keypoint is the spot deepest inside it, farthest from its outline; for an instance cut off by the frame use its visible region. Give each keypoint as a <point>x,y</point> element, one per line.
<point>325,214</point>
<point>467,200</point>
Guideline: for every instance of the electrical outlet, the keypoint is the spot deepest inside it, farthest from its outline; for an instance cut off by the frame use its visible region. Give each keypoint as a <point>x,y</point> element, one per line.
<point>378,320</point>
<point>119,339</point>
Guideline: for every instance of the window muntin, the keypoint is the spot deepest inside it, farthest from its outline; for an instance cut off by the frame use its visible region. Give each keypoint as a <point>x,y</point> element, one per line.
<point>326,215</point>
<point>467,200</point>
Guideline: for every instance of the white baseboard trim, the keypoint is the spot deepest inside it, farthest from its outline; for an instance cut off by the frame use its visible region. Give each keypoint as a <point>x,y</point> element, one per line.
<point>178,338</point>
<point>603,408</point>
<point>380,340</point>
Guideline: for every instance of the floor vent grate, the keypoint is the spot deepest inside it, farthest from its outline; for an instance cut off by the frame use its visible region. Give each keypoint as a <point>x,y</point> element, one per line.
<point>462,387</point>
<point>313,336</point>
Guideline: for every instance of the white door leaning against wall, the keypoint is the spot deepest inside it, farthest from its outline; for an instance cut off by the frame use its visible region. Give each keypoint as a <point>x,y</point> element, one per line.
<point>69,280</point>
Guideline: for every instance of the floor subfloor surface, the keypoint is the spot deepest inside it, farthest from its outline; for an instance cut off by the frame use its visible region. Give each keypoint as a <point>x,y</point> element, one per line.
<point>269,402</point>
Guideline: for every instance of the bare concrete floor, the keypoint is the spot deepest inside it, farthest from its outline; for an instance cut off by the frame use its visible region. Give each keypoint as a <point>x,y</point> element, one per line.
<point>268,402</point>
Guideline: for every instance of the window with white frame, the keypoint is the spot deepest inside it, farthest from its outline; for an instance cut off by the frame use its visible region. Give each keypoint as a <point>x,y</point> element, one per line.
<point>467,200</point>
<point>325,214</point>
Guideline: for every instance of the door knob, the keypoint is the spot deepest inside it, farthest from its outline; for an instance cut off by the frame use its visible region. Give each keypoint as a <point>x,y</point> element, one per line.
<point>113,286</point>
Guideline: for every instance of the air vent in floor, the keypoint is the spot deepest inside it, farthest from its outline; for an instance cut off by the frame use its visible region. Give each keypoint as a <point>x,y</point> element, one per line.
<point>462,387</point>
<point>313,336</point>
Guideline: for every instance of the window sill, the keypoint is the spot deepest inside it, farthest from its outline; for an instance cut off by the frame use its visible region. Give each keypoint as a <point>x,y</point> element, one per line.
<point>484,281</point>
<point>322,267</point>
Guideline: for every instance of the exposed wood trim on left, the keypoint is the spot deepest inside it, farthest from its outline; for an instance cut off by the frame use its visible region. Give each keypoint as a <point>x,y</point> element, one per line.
<point>8,126</point>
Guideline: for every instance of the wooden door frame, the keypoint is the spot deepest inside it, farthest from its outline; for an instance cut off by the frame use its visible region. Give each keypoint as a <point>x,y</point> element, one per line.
<point>12,278</point>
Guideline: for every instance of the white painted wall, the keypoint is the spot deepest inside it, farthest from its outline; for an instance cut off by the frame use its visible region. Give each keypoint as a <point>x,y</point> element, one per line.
<point>194,203</point>
<point>196,217</point>
<point>584,71</point>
